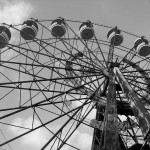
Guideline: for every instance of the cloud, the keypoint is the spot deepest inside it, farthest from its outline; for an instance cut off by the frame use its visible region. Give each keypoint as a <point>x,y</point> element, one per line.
<point>14,12</point>
<point>36,138</point>
<point>39,137</point>
<point>82,140</point>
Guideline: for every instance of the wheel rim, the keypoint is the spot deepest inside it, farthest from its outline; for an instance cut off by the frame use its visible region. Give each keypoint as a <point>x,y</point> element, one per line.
<point>56,84</point>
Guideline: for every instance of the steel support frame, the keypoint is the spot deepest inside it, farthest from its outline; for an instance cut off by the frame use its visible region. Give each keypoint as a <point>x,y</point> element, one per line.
<point>111,136</point>
<point>98,134</point>
<point>139,111</point>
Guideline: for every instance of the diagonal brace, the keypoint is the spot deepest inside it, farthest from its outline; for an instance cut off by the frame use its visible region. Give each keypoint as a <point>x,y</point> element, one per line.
<point>140,112</point>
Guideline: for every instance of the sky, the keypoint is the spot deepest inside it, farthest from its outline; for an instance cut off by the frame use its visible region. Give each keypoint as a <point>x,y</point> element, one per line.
<point>129,15</point>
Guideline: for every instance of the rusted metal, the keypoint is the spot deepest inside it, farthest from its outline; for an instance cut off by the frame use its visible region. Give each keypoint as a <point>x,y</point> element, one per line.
<point>111,137</point>
<point>98,134</point>
<point>140,112</point>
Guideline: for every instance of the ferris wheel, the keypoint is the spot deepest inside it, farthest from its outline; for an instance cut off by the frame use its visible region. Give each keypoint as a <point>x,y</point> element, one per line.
<point>74,77</point>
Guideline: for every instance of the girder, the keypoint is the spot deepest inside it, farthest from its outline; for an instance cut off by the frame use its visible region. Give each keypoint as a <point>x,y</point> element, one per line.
<point>137,106</point>
<point>111,138</point>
